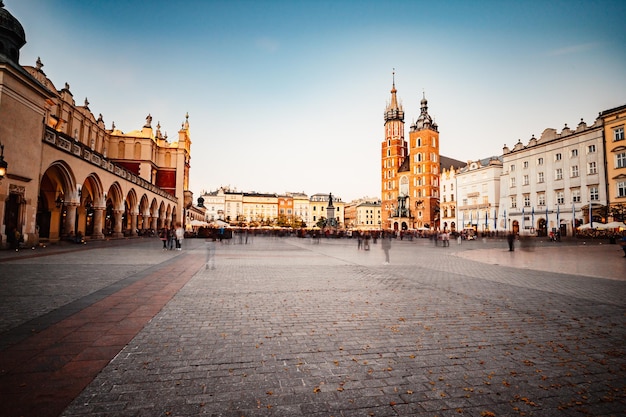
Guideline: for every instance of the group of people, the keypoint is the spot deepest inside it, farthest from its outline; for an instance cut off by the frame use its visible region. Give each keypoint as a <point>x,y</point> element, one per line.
<point>172,237</point>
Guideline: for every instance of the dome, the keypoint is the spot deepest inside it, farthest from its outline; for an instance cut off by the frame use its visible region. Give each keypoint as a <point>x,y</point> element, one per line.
<point>12,36</point>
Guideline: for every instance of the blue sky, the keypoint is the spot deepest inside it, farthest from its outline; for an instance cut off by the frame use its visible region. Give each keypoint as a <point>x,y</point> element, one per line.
<point>289,95</point>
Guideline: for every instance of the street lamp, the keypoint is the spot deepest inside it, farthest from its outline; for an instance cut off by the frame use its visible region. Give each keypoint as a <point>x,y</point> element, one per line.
<point>59,201</point>
<point>3,163</point>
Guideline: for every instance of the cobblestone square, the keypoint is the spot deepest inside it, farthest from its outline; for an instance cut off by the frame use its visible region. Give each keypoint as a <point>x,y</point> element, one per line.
<point>287,327</point>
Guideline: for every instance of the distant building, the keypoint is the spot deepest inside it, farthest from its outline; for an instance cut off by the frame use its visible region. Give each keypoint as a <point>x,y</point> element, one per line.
<point>615,148</point>
<point>554,182</point>
<point>317,209</point>
<point>478,192</point>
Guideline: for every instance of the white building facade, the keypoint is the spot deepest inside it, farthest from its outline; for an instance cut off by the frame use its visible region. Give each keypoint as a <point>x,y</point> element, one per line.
<point>554,182</point>
<point>478,195</point>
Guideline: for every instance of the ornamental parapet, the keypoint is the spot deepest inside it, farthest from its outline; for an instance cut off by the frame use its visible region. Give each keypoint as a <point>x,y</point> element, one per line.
<point>79,150</point>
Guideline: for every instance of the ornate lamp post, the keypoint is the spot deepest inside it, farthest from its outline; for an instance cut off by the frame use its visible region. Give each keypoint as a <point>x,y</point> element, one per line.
<point>3,163</point>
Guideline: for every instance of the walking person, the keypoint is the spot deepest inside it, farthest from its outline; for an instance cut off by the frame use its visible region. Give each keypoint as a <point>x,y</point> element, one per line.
<point>210,253</point>
<point>180,235</point>
<point>385,243</point>
<point>170,236</point>
<point>163,237</point>
<point>622,242</point>
<point>511,240</point>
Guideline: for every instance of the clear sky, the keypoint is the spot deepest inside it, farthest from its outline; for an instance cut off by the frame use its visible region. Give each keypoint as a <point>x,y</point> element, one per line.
<point>289,95</point>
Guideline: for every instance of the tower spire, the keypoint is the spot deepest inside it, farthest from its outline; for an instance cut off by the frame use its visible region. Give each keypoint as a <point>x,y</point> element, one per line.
<point>394,110</point>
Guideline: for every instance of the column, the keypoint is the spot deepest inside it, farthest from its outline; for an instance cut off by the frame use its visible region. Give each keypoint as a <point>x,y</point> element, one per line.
<point>117,225</point>
<point>98,216</point>
<point>133,224</point>
<point>70,220</point>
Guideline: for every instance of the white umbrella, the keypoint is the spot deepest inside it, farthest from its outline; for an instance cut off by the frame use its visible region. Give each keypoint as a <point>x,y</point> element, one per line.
<point>615,225</point>
<point>599,226</point>
<point>195,222</point>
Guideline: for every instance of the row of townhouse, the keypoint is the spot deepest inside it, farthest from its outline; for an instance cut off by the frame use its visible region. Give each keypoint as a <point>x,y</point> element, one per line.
<point>363,214</point>
<point>556,182</point>
<point>264,209</point>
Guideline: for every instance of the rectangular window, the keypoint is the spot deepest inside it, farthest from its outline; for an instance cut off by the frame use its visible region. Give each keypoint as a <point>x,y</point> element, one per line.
<point>620,160</point>
<point>618,133</point>
<point>541,199</point>
<point>592,168</point>
<point>513,182</point>
<point>525,180</point>
<point>574,171</point>
<point>525,164</point>
<point>526,200</point>
<point>558,174</point>
<point>591,149</point>
<point>539,161</point>
<point>540,178</point>
<point>560,197</point>
<point>558,157</point>
<point>593,194</point>
<point>621,189</point>
<point>513,202</point>
<point>576,195</point>
<point>512,168</point>
<point>574,153</point>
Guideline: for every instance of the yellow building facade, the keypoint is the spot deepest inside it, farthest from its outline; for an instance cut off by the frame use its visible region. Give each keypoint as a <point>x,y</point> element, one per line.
<point>614,121</point>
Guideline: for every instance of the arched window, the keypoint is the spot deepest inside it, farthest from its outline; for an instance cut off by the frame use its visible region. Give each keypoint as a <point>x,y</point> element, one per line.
<point>137,154</point>
<point>404,185</point>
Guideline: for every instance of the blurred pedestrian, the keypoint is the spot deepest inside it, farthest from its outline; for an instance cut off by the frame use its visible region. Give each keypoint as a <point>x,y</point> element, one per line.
<point>622,242</point>
<point>210,253</point>
<point>511,240</point>
<point>385,243</point>
<point>163,237</point>
<point>180,235</point>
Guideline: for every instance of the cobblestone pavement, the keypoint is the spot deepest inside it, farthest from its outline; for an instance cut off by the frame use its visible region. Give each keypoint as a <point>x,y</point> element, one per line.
<point>287,327</point>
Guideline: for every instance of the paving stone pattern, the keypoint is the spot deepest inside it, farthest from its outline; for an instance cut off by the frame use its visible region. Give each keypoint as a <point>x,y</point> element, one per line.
<point>286,327</point>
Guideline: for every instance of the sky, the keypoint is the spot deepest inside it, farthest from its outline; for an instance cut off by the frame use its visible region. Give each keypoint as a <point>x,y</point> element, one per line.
<point>288,96</point>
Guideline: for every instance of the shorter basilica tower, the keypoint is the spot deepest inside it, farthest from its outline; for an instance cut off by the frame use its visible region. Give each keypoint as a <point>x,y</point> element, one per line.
<point>424,174</point>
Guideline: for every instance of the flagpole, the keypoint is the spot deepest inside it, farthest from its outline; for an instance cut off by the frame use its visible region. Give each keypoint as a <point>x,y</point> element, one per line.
<point>573,219</point>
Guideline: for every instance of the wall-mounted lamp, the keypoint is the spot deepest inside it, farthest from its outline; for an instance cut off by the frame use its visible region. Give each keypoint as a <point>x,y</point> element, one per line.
<point>3,163</point>
<point>59,201</point>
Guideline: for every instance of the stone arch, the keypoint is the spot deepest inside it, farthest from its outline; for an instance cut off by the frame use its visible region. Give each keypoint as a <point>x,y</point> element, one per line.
<point>91,207</point>
<point>131,206</point>
<point>143,221</point>
<point>58,197</point>
<point>114,210</point>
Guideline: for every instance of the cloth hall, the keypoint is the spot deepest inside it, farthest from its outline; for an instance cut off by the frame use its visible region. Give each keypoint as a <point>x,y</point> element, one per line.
<point>64,174</point>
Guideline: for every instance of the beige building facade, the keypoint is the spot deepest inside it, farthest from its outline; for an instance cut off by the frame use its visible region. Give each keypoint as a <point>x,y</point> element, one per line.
<point>67,174</point>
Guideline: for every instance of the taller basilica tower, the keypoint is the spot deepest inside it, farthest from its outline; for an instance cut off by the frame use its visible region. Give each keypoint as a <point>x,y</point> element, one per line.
<point>409,172</point>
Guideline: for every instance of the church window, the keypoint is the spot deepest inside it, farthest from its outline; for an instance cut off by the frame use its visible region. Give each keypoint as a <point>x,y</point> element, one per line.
<point>419,141</point>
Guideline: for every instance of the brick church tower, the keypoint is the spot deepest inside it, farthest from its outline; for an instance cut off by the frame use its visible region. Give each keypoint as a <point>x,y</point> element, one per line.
<point>394,151</point>
<point>409,171</point>
<point>424,155</point>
